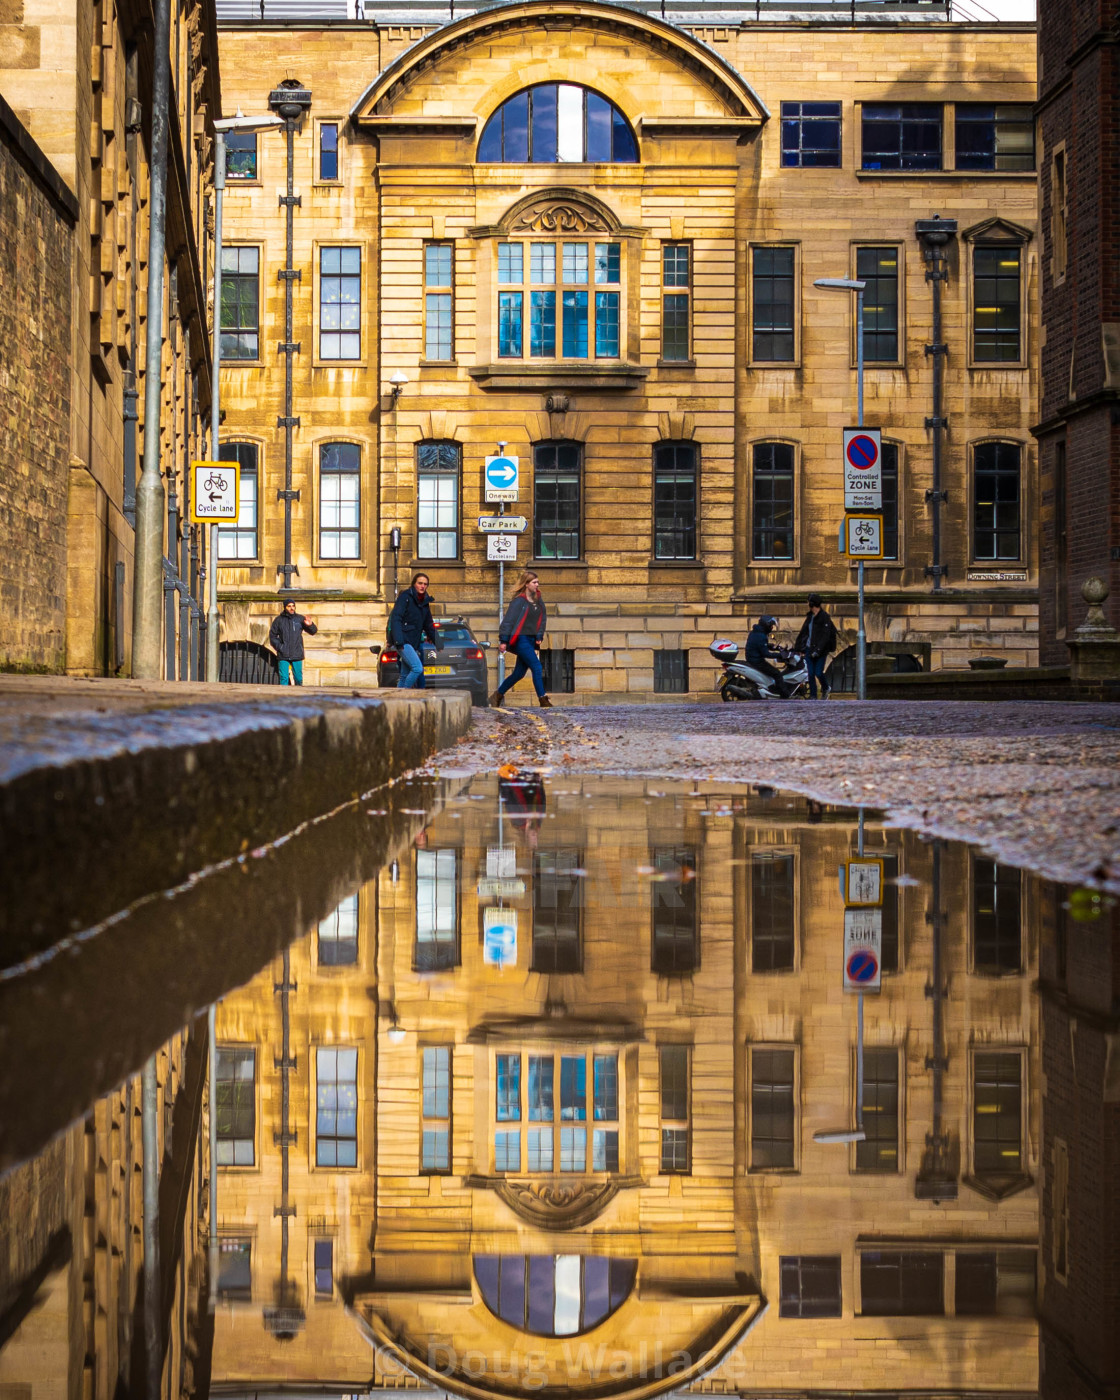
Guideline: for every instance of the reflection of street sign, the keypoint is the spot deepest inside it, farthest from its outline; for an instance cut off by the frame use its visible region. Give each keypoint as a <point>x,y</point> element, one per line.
<point>501,549</point>
<point>501,862</point>
<point>863,950</point>
<point>863,883</point>
<point>214,491</point>
<point>501,889</point>
<point>863,536</point>
<point>502,478</point>
<point>499,937</point>
<point>863,469</point>
<point>502,524</point>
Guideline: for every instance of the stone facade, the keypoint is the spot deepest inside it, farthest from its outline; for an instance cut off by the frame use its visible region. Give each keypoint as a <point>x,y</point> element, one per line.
<point>410,104</point>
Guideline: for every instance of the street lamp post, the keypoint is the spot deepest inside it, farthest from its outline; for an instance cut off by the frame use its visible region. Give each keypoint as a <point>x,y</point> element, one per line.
<point>237,123</point>
<point>851,284</point>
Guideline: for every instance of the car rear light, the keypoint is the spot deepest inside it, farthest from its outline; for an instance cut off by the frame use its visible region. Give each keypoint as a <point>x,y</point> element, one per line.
<point>475,655</point>
<point>388,655</point>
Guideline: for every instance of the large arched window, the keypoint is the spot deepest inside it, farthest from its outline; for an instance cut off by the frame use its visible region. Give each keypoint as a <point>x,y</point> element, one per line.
<point>553,1295</point>
<point>557,122</point>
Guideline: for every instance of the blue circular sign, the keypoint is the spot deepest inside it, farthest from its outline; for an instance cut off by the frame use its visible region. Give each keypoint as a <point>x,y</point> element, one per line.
<point>863,452</point>
<point>501,473</point>
<point>863,966</point>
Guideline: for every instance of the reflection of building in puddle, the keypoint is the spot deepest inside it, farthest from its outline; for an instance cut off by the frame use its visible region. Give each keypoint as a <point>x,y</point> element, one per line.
<point>590,1165</point>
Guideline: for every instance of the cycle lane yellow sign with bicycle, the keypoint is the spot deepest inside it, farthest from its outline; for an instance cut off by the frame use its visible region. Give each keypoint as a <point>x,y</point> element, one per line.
<point>214,491</point>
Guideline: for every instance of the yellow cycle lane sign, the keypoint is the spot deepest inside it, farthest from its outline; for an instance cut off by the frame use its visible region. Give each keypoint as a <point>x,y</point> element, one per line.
<point>214,491</point>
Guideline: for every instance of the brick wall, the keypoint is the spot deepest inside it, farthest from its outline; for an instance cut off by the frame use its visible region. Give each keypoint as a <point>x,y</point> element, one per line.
<point>35,255</point>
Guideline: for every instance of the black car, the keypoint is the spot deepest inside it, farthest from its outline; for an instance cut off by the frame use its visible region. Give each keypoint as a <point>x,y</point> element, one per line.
<point>460,664</point>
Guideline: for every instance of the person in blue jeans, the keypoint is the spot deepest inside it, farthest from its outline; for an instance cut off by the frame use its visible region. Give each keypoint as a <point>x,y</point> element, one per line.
<point>286,638</point>
<point>521,633</point>
<point>817,641</point>
<point>409,623</point>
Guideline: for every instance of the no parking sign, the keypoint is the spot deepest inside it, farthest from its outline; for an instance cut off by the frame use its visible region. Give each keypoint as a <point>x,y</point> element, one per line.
<point>863,950</point>
<point>863,469</point>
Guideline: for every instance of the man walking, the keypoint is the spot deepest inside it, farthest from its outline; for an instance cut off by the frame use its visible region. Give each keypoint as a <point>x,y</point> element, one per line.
<point>285,636</point>
<point>817,640</point>
<point>409,623</point>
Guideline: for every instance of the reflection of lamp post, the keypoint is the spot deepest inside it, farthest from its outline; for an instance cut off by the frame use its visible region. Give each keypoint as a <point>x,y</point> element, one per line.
<point>851,284</point>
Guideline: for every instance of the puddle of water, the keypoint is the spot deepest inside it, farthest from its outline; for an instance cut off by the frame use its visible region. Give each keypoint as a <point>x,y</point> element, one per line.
<point>575,1093</point>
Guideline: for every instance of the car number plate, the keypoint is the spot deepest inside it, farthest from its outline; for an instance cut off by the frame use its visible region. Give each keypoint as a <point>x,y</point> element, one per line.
<point>437,670</point>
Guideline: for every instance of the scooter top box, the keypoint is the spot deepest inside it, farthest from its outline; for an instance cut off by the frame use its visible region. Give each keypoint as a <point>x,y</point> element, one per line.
<point>724,650</point>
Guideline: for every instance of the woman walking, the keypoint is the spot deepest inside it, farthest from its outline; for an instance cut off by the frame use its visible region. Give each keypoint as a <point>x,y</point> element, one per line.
<point>521,632</point>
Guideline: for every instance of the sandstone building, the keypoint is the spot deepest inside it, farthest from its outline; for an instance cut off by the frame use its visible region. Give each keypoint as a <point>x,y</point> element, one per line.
<point>592,233</point>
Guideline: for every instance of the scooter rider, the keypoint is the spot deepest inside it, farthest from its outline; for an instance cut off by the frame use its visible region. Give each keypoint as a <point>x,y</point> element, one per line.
<point>758,649</point>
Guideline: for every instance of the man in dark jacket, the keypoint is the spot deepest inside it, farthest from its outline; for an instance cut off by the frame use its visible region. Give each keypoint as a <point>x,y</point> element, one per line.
<point>285,636</point>
<point>817,640</point>
<point>409,623</point>
<point>758,650</point>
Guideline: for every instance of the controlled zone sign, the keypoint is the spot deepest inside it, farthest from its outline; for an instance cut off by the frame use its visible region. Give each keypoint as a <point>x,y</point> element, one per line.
<point>499,937</point>
<point>863,469</point>
<point>501,549</point>
<point>214,488</point>
<point>502,477</point>
<point>863,537</point>
<point>863,950</point>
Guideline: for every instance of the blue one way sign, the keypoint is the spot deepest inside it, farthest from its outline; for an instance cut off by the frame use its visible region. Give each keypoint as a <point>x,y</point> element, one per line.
<point>502,475</point>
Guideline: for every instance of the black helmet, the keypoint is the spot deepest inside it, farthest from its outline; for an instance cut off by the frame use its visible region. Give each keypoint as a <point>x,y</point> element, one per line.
<point>767,623</point>
<point>815,600</point>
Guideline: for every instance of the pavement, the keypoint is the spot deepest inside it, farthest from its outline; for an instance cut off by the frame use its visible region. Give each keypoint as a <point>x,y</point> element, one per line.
<point>1035,783</point>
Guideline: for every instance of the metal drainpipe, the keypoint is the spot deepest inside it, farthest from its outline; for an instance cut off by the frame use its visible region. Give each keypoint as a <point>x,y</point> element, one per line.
<point>153,1330</point>
<point>132,130</point>
<point>148,566</point>
<point>934,235</point>
<point>285,1137</point>
<point>212,1035</point>
<point>290,101</point>
<point>936,1180</point>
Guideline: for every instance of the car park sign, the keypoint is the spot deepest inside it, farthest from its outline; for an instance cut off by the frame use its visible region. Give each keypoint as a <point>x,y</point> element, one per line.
<point>863,469</point>
<point>502,477</point>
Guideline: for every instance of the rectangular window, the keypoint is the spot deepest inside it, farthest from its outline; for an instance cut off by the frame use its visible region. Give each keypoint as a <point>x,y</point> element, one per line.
<point>558,668</point>
<point>328,150</point>
<point>670,672</point>
<point>509,323</point>
<point>810,1286</point>
<point>508,1090</point>
<point>590,322</point>
<point>507,1151</point>
<point>324,1268</point>
<point>437,911</point>
<point>588,1087</point>
<point>239,337</point>
<point>1059,210</point>
<point>556,500</point>
<point>241,155</point>
<point>676,284</point>
<point>336,1117</point>
<point>676,1128</point>
<point>604,1141</point>
<point>810,133</point>
<point>236,1090</point>
<point>542,325</point>
<point>996,500</point>
<point>889,957</point>
<point>338,935</point>
<point>772,500</point>
<point>556,911</point>
<point>889,460</point>
<point>773,304</point>
<point>878,267</point>
<point>673,912</point>
<point>239,539</point>
<point>879,1151</point>
<point>438,284</point>
<point>674,500</point>
<point>773,1111</point>
<point>996,332</point>
<point>997,1113</point>
<point>996,1283</point>
<point>901,136</point>
<point>575,325</point>
<point>340,501</point>
<point>340,303</point>
<point>1061,538</point>
<point>994,138</point>
<point>895,1283</point>
<point>773,913</point>
<point>997,918</point>
<point>435,1126</point>
<point>235,1269</point>
<point>437,498</point>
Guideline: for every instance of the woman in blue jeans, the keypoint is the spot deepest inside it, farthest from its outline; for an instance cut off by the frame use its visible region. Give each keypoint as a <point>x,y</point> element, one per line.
<point>521,632</point>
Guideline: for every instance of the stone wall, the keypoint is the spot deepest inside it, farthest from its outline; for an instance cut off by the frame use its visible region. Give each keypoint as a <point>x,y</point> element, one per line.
<point>36,243</point>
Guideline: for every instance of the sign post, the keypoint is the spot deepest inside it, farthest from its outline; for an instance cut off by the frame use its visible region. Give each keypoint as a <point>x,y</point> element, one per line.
<point>502,484</point>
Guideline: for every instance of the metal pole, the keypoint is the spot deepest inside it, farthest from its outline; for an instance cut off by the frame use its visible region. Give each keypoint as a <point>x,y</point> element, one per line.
<point>859,1064</point>
<point>501,603</point>
<point>147,594</point>
<point>153,1329</point>
<point>215,405</point>
<point>212,1033</point>
<point>861,634</point>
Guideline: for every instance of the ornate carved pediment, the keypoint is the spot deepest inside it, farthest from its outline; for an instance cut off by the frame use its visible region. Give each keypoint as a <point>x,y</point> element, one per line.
<point>556,1205</point>
<point>558,216</point>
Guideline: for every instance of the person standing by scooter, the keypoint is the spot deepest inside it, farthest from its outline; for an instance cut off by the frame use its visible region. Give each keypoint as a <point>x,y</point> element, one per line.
<point>817,640</point>
<point>521,632</point>
<point>758,649</point>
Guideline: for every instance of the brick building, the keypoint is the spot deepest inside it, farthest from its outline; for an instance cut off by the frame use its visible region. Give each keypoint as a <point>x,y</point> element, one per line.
<point>676,390</point>
<point>1079,413</point>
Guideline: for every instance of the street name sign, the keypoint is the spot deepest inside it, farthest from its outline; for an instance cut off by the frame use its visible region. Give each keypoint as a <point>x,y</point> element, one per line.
<point>863,537</point>
<point>499,937</point>
<point>863,883</point>
<point>863,950</point>
<point>214,491</point>
<point>502,478</point>
<point>863,469</point>
<point>502,524</point>
<point>501,549</point>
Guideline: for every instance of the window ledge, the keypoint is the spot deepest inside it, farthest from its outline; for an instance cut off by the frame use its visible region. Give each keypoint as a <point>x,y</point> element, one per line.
<point>676,564</point>
<point>540,565</point>
<point>676,364</point>
<point>1031,175</point>
<point>560,374</point>
<point>1016,366</point>
<point>439,364</point>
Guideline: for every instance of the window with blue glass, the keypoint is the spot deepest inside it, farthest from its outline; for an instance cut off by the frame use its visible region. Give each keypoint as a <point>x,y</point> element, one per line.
<point>571,292</point>
<point>557,1136</point>
<point>810,133</point>
<point>902,136</point>
<point>555,123</point>
<point>241,155</point>
<point>328,150</point>
<point>994,137</point>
